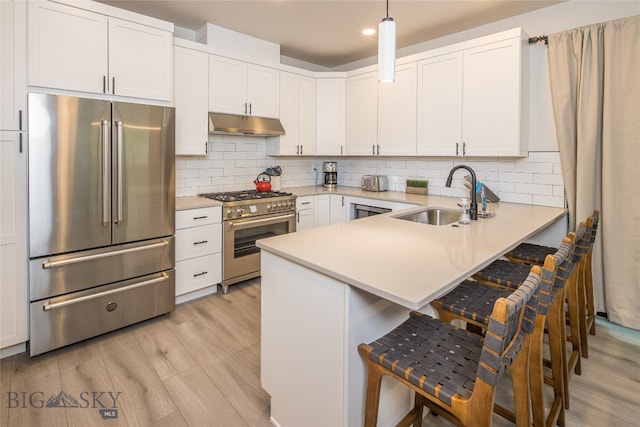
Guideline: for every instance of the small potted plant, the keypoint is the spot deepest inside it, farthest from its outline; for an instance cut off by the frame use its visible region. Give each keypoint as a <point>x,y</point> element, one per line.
<point>417,186</point>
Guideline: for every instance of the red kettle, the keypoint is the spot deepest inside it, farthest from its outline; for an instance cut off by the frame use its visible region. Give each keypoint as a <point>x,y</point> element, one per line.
<point>263,182</point>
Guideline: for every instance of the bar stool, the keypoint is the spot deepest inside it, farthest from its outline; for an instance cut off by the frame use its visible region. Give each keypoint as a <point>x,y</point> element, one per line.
<point>528,253</point>
<point>586,307</point>
<point>452,371</point>
<point>509,274</point>
<point>470,301</point>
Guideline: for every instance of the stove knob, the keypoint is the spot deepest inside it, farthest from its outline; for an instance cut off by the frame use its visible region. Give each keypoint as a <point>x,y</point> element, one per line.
<point>229,213</point>
<point>279,205</point>
<point>268,206</point>
<point>239,211</point>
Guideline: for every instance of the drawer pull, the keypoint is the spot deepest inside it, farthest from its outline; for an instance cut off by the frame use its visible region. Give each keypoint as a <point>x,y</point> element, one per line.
<point>201,274</point>
<point>52,264</point>
<point>50,306</point>
<point>201,242</point>
<point>201,217</point>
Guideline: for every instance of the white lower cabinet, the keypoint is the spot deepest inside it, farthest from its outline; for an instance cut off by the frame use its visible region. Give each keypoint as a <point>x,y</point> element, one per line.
<point>304,213</point>
<point>339,209</point>
<point>13,241</point>
<point>198,249</point>
<point>321,212</point>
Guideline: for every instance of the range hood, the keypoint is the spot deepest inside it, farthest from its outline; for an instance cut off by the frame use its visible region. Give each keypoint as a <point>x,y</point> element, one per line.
<point>236,124</point>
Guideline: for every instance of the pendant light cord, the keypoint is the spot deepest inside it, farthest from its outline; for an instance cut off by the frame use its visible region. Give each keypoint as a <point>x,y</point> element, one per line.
<point>387,8</point>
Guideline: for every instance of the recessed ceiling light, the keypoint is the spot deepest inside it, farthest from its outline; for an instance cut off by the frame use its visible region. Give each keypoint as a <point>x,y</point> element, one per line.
<point>368,31</point>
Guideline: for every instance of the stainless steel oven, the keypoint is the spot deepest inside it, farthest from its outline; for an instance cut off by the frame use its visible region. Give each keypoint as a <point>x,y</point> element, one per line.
<point>247,217</point>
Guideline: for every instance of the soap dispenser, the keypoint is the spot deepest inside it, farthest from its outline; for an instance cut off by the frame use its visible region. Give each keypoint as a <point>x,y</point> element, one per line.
<point>465,218</point>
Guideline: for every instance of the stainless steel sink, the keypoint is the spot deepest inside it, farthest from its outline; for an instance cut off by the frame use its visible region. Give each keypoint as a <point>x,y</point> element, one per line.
<point>432,216</point>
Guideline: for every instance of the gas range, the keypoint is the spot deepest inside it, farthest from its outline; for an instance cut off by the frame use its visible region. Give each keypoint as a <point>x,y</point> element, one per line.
<point>252,203</point>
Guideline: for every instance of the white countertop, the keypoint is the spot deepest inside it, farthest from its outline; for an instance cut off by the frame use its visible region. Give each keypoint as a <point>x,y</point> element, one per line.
<point>406,262</point>
<point>393,196</point>
<point>194,202</point>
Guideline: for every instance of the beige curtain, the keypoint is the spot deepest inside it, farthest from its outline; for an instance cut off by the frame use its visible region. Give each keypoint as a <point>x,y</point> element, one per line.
<point>595,85</point>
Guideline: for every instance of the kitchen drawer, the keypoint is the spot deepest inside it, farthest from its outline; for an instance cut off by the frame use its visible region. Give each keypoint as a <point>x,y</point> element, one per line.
<point>198,241</point>
<point>198,273</point>
<point>304,202</point>
<point>196,217</point>
<point>64,320</point>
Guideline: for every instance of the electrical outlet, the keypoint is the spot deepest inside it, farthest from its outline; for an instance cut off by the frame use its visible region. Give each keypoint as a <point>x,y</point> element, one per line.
<point>314,170</point>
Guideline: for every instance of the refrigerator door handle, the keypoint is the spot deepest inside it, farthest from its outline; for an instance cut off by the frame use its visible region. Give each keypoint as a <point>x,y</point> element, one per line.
<point>104,134</point>
<point>53,264</point>
<point>119,167</point>
<point>52,306</point>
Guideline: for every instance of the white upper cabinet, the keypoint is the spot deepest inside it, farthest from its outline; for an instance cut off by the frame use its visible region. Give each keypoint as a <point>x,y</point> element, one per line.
<point>397,113</point>
<point>330,116</point>
<point>298,116</point>
<point>470,101</point>
<point>80,50</point>
<point>362,115</point>
<point>12,66</point>
<point>440,105</point>
<point>492,100</point>
<point>140,60</point>
<point>191,100</point>
<point>237,87</point>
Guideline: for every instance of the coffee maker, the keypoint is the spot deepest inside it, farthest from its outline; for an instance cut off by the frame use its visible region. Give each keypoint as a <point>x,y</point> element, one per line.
<point>330,174</point>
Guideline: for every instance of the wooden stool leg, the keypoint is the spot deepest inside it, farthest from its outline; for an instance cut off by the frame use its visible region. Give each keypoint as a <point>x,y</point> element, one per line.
<point>591,310</point>
<point>582,308</point>
<point>536,374</point>
<point>374,379</point>
<point>574,323</point>
<point>557,345</point>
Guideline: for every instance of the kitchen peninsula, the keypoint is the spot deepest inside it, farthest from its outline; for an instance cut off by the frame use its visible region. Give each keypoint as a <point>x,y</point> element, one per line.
<point>327,289</point>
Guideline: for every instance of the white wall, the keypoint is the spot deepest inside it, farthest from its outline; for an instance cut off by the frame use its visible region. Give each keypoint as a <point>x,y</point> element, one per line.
<point>234,162</point>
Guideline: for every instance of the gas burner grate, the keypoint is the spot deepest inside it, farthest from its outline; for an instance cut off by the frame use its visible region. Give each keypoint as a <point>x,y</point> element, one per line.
<point>235,196</point>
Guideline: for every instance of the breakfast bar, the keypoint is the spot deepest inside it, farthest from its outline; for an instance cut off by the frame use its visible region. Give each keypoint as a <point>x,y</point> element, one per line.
<point>319,300</point>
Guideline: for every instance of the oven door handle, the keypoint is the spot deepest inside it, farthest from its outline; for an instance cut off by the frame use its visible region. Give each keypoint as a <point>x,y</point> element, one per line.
<point>258,221</point>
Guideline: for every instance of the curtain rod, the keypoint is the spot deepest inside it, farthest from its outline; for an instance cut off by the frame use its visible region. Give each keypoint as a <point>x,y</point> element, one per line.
<point>539,39</point>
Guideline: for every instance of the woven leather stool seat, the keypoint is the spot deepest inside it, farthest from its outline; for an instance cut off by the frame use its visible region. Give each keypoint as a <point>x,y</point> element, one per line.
<point>505,273</point>
<point>530,253</point>
<point>444,355</point>
<point>472,300</point>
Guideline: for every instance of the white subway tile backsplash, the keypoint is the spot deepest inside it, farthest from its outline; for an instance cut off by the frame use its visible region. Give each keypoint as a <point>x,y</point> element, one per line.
<point>233,162</point>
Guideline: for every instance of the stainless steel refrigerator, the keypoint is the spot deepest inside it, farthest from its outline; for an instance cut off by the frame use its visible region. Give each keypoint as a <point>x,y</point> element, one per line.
<point>101,216</point>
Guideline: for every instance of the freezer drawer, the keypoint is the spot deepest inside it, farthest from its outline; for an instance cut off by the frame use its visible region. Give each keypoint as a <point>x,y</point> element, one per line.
<point>64,320</point>
<point>62,274</point>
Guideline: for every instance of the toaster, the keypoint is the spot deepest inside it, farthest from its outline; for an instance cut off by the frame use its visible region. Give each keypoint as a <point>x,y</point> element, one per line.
<point>374,183</point>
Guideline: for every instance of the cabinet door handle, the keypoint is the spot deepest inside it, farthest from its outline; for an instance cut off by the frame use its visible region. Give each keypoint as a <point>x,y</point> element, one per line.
<point>245,108</point>
<point>104,84</point>
<point>378,148</point>
<point>341,150</point>
<point>298,217</point>
<point>301,148</point>
<point>20,143</point>
<point>113,85</point>
<point>464,148</point>
<point>373,149</point>
<point>200,217</point>
<point>201,274</point>
<point>342,200</point>
<point>20,120</point>
<point>201,242</point>
<point>457,148</point>
<point>249,108</point>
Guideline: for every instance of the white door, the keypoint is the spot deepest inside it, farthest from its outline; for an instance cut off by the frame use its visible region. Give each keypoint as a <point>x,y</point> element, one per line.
<point>140,60</point>
<point>397,117</point>
<point>491,107</point>
<point>227,85</point>
<point>440,105</point>
<point>13,240</point>
<point>191,100</point>
<point>307,118</point>
<point>67,48</point>
<point>362,115</point>
<point>330,116</point>
<point>289,114</point>
<point>263,91</point>
<point>12,65</point>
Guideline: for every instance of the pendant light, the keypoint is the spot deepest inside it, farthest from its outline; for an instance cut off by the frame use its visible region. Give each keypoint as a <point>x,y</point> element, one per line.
<point>387,49</point>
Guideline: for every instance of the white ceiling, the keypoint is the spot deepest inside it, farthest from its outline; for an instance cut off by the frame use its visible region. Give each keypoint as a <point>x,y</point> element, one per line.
<point>327,32</point>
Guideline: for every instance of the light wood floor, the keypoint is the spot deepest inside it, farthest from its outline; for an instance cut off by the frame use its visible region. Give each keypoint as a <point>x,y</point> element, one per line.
<point>199,366</point>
